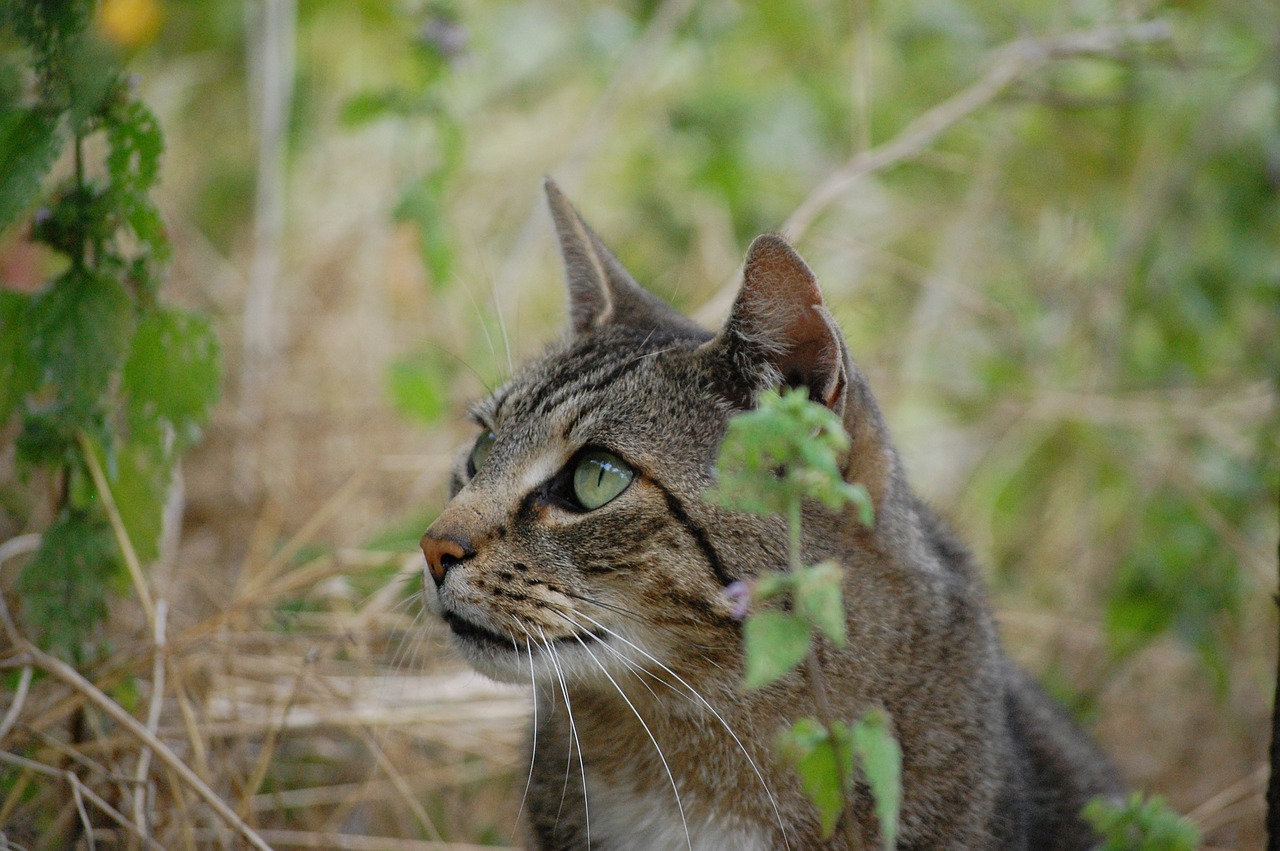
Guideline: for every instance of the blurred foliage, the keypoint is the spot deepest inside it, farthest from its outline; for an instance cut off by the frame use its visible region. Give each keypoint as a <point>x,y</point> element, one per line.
<point>1068,304</point>
<point>92,362</point>
<point>1141,824</point>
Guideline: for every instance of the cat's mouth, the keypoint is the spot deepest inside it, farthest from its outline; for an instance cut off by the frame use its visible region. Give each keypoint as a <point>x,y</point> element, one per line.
<point>479,635</point>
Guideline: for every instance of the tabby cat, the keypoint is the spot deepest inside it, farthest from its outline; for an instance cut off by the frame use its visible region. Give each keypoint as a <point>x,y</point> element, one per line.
<point>579,554</point>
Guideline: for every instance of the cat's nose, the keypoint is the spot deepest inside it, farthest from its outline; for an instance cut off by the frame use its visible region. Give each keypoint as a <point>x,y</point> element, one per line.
<point>442,554</point>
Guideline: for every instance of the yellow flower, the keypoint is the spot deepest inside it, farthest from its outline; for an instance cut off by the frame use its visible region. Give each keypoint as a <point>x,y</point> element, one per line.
<point>130,23</point>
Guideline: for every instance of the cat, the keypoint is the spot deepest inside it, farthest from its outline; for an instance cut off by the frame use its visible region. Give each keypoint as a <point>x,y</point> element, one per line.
<point>578,553</point>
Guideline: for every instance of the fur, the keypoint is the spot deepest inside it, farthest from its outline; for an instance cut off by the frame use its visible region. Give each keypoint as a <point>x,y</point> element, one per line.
<point>643,737</point>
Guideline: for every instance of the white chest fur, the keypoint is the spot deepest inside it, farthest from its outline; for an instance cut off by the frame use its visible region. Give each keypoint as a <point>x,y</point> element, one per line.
<point>623,820</point>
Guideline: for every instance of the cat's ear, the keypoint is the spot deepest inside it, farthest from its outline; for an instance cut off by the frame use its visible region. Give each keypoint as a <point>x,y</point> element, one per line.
<point>601,290</point>
<point>779,333</point>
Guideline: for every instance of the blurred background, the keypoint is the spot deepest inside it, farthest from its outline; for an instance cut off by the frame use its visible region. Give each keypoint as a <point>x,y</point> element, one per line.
<point>1051,233</point>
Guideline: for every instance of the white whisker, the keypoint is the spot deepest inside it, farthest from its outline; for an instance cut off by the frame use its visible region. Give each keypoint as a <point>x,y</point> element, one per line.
<point>502,324</point>
<point>696,694</point>
<point>533,683</point>
<point>574,741</point>
<point>674,786</point>
<point>411,639</point>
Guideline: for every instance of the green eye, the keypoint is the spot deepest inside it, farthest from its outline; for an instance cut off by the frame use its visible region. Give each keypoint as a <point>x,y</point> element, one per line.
<point>480,451</point>
<point>599,478</point>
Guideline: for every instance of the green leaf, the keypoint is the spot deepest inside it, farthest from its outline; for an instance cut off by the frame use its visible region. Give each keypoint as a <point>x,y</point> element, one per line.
<point>772,584</point>
<point>419,386</point>
<point>775,643</point>
<point>29,143</point>
<point>174,372</point>
<point>136,145</point>
<point>423,205</point>
<point>134,166</point>
<point>818,599</point>
<point>17,370</point>
<point>139,477</point>
<point>880,758</point>
<point>48,436</point>
<point>807,746</point>
<point>1140,824</point>
<point>788,448</point>
<point>92,76</point>
<point>63,588</point>
<point>80,330</point>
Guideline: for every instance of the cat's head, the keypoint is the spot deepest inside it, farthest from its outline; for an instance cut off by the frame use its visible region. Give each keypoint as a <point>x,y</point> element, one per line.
<point>577,540</point>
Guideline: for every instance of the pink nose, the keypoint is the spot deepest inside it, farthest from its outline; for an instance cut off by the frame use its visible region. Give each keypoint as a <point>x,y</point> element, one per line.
<point>442,554</point>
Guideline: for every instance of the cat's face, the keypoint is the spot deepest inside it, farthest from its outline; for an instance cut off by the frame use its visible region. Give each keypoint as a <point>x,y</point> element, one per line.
<point>575,500</point>
<point>577,543</point>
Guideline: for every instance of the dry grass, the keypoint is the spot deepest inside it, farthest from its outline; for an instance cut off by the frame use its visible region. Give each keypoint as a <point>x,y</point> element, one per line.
<point>259,694</point>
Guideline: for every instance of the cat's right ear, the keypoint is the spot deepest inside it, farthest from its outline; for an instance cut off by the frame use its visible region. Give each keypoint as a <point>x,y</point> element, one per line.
<point>601,290</point>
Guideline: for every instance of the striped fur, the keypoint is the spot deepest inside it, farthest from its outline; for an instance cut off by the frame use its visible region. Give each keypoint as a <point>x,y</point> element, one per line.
<point>642,737</point>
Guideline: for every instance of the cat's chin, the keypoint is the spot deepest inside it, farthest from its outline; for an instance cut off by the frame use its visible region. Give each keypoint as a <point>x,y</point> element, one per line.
<point>496,667</point>
<point>507,665</point>
<point>505,660</point>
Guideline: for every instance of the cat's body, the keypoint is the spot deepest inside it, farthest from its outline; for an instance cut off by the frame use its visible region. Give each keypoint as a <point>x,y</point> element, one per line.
<point>643,737</point>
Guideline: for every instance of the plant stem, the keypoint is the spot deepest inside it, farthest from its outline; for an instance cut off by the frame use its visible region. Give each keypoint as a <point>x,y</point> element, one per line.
<point>818,685</point>
<point>81,249</point>
<point>1273,786</point>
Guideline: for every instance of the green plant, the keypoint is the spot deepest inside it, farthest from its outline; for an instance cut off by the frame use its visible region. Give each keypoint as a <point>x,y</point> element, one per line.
<point>1141,823</point>
<point>108,384</point>
<point>773,459</point>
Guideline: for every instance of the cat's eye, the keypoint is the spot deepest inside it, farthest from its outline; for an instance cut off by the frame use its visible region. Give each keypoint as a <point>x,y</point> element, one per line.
<point>480,451</point>
<point>599,478</point>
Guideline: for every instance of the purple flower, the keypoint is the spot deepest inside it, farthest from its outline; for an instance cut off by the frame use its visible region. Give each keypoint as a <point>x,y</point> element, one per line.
<point>738,594</point>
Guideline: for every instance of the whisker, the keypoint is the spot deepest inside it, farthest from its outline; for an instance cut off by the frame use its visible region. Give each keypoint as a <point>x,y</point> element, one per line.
<point>420,641</point>
<point>636,616</point>
<point>574,741</point>
<point>488,388</point>
<point>502,323</point>
<point>533,683</point>
<point>674,787</point>
<point>484,326</point>
<point>696,694</point>
<point>410,638</point>
<point>630,665</point>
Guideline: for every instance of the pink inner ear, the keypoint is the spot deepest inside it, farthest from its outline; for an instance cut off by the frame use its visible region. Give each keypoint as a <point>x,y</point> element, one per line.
<point>780,306</point>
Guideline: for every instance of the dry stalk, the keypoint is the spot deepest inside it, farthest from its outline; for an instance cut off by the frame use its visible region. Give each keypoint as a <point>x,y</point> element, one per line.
<point>1246,787</point>
<point>80,794</point>
<point>191,725</point>
<point>140,809</point>
<point>401,785</point>
<point>647,50</point>
<point>346,842</point>
<point>273,735</point>
<point>12,548</point>
<point>117,526</point>
<point>68,675</point>
<point>19,698</point>
<point>85,824</point>
<point>1010,64</point>
<point>369,789</point>
<point>272,58</point>
<point>259,578</point>
<point>16,792</point>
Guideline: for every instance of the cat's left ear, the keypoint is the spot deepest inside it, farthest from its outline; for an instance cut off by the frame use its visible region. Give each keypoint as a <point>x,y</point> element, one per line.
<point>601,291</point>
<point>780,333</point>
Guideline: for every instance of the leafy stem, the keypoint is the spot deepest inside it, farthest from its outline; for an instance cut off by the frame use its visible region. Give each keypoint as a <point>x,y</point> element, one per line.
<point>773,459</point>
<point>815,679</point>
